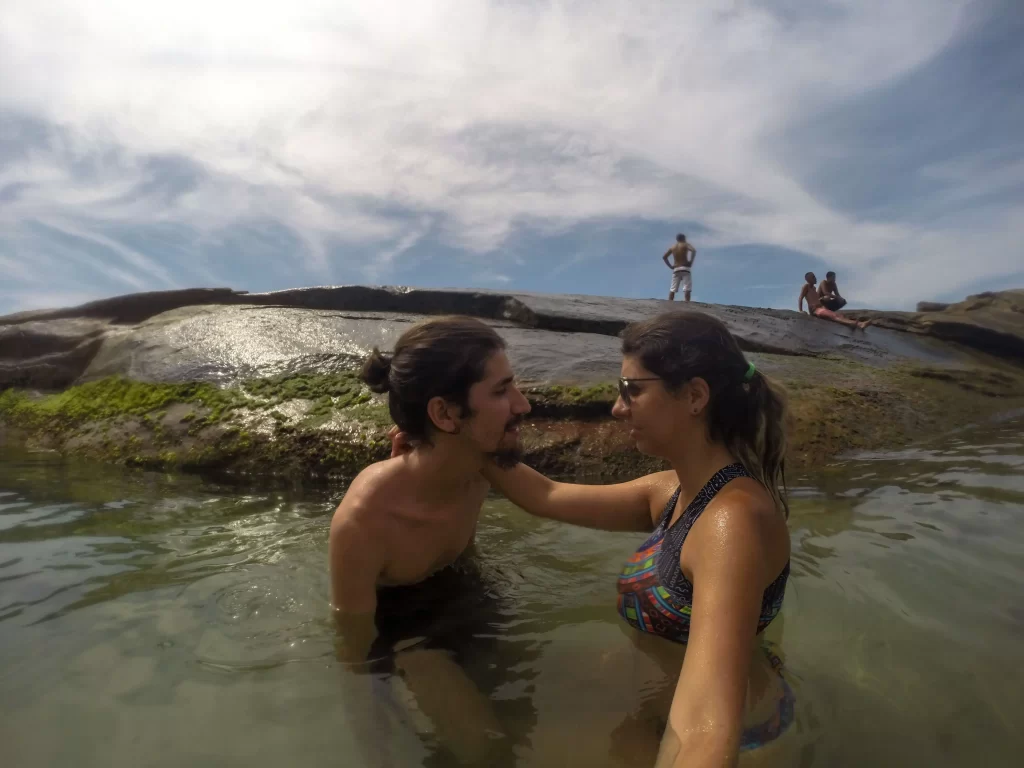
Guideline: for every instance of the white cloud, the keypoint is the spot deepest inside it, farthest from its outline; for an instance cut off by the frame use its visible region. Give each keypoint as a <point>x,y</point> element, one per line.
<point>475,116</point>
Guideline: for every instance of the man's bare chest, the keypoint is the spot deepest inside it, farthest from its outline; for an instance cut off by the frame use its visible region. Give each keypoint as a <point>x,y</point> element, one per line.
<point>424,542</point>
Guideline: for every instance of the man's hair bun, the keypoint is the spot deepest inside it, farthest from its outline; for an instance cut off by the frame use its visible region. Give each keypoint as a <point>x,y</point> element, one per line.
<point>376,373</point>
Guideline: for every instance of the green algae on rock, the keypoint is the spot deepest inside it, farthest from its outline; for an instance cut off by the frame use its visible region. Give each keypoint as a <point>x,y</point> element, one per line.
<point>196,424</point>
<point>331,426</point>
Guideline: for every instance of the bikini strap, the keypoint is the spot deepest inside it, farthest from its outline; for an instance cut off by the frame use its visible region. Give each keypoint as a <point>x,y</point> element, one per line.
<point>671,574</point>
<point>700,502</point>
<point>703,497</point>
<point>666,513</point>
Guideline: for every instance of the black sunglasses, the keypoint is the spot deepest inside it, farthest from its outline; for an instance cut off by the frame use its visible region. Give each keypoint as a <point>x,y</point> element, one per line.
<point>624,385</point>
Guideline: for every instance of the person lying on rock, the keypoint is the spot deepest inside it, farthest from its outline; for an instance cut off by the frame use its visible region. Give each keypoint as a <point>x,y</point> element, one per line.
<point>828,292</point>
<point>816,309</point>
<point>712,574</point>
<point>400,541</point>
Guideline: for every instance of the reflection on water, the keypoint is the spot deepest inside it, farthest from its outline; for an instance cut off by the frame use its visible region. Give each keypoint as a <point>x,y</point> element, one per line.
<point>165,620</point>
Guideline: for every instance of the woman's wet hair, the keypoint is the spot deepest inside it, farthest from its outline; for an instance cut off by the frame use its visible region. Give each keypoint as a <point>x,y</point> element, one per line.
<point>442,357</point>
<point>748,415</point>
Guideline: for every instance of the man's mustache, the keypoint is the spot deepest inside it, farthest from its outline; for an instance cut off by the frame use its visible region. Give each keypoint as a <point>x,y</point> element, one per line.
<point>514,422</point>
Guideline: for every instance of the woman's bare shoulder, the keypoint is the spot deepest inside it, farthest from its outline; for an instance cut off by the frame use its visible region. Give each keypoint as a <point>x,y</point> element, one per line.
<point>744,511</point>
<point>660,488</point>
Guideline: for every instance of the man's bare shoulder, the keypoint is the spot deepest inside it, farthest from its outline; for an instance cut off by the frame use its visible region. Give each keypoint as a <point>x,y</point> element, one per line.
<point>372,489</point>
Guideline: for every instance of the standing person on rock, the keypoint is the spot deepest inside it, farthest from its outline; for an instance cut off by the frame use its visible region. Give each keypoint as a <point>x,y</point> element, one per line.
<point>712,574</point>
<point>683,255</point>
<point>401,573</point>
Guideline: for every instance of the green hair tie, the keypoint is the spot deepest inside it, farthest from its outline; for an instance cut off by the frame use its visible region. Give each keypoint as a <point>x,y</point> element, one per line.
<point>750,372</point>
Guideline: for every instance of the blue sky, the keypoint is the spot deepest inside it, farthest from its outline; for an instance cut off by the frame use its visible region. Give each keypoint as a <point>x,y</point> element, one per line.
<point>542,146</point>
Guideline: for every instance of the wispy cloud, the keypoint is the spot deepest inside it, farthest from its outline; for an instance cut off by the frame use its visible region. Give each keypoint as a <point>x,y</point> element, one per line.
<point>382,264</point>
<point>343,122</point>
<point>13,270</point>
<point>129,256</point>
<point>491,278</point>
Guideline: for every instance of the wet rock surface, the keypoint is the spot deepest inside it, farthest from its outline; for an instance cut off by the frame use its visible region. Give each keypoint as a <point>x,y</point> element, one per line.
<point>223,336</point>
<point>228,344</point>
<point>990,322</point>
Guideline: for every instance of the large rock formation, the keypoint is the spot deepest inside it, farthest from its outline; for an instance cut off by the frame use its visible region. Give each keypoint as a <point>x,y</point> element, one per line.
<point>225,336</point>
<point>991,322</point>
<point>263,381</point>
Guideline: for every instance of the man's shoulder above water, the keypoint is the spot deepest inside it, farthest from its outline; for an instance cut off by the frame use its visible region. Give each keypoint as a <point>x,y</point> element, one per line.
<point>372,502</point>
<point>382,509</point>
<point>379,482</point>
<point>395,487</point>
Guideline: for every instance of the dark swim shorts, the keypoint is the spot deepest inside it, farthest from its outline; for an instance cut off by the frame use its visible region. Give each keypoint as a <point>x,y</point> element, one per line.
<point>461,612</point>
<point>458,610</point>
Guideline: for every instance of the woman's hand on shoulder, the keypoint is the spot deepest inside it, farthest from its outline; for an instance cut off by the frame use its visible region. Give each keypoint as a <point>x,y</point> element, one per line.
<point>399,442</point>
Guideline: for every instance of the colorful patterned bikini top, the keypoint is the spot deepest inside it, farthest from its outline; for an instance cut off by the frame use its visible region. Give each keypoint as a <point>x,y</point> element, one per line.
<point>654,595</point>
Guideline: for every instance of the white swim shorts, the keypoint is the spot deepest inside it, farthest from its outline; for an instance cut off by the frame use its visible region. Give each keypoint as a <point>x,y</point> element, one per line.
<point>681,277</point>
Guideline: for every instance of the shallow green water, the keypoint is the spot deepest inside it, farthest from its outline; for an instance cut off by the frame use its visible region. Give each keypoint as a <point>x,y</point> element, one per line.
<point>159,620</point>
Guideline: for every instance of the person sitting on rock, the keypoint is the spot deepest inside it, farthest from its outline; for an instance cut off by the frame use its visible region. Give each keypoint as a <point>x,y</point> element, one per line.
<point>828,292</point>
<point>815,308</point>
<point>401,570</point>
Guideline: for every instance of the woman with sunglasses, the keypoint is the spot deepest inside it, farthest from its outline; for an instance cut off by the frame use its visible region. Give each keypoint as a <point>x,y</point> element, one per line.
<point>713,572</point>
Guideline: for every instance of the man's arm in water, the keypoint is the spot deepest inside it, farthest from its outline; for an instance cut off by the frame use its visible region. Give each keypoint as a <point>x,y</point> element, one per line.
<point>356,562</point>
<point>353,570</point>
<point>463,717</point>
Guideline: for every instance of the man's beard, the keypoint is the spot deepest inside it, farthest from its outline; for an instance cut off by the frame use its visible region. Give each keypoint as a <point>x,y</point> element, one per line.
<point>508,458</point>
